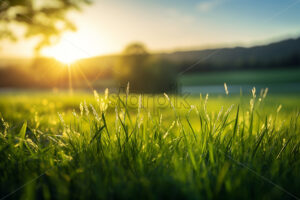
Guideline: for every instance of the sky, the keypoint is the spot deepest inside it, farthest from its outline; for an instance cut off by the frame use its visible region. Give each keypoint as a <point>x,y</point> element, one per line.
<point>106,27</point>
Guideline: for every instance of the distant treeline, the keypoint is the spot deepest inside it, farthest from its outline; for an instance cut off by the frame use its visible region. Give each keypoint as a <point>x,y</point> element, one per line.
<point>148,72</point>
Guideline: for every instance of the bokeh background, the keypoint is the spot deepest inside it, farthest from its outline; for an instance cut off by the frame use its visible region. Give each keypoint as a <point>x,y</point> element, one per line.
<point>157,46</point>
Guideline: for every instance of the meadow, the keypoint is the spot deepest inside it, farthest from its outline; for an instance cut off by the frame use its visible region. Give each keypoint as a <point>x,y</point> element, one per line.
<point>129,146</point>
<point>251,76</point>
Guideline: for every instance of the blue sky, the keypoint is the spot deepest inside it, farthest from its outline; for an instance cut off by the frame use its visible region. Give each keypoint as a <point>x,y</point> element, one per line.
<point>165,25</point>
<point>253,16</point>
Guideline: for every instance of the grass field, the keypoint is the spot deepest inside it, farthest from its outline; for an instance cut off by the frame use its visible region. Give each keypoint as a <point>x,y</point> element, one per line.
<point>85,146</point>
<point>242,77</point>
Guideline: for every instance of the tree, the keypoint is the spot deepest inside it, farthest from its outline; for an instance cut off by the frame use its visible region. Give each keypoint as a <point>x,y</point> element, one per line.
<point>131,65</point>
<point>135,49</point>
<point>44,18</point>
<point>145,72</point>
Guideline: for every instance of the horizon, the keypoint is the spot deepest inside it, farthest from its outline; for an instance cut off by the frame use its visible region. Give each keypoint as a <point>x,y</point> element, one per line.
<point>173,50</point>
<point>168,26</point>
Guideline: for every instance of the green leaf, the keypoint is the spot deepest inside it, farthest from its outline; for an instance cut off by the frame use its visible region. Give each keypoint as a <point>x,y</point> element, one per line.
<point>97,133</point>
<point>23,130</point>
<point>22,133</point>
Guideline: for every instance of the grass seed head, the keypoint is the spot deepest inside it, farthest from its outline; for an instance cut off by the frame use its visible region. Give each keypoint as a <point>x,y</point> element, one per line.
<point>81,109</point>
<point>96,96</point>
<point>74,113</point>
<point>226,89</point>
<point>86,108</point>
<point>253,92</point>
<point>265,93</point>
<point>279,108</point>
<point>106,94</point>
<point>61,118</point>
<point>95,113</point>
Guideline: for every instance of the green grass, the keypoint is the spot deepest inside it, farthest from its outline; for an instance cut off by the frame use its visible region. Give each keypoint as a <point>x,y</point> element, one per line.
<point>242,77</point>
<point>55,146</point>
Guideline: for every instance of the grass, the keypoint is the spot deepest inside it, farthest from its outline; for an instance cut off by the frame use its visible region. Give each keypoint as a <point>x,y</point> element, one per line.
<point>243,77</point>
<point>149,147</point>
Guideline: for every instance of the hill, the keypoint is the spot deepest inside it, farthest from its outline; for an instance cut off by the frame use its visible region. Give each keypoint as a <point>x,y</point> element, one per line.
<point>283,54</point>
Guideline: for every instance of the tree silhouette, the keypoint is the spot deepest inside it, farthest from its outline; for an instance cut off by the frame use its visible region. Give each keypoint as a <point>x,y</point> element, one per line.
<point>131,65</point>
<point>44,18</point>
<point>145,72</point>
<point>135,49</point>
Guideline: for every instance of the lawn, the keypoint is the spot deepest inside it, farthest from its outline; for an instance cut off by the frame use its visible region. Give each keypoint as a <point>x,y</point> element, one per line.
<point>128,146</point>
<point>253,77</point>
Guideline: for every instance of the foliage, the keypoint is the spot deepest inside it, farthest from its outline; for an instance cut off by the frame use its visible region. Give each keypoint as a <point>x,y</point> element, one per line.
<point>115,148</point>
<point>45,18</point>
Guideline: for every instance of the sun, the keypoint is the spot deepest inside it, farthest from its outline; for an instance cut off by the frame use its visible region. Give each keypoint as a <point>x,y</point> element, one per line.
<point>66,59</point>
<point>64,52</point>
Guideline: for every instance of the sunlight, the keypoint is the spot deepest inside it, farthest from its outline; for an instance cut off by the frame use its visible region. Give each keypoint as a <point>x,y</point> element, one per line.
<point>66,59</point>
<point>64,52</point>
